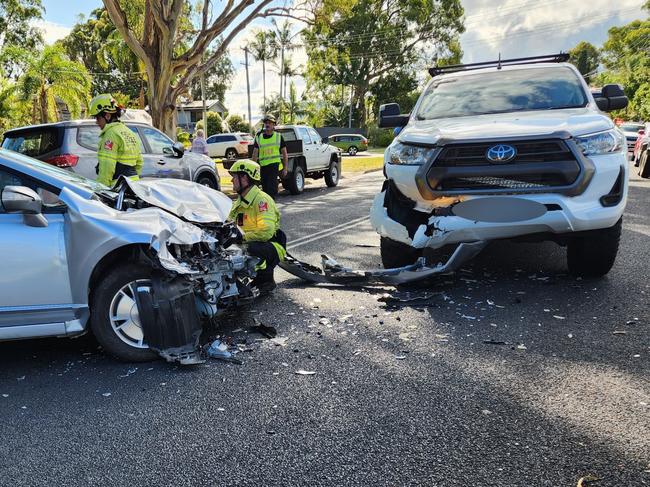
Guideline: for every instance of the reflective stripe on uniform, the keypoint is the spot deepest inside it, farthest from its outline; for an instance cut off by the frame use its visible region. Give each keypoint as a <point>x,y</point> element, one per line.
<point>282,252</point>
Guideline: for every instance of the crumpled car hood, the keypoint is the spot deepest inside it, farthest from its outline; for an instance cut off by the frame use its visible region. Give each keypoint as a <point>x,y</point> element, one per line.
<point>185,199</point>
<point>576,121</point>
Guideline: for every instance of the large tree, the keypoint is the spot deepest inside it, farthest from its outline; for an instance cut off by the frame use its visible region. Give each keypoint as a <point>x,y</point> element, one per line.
<point>217,80</point>
<point>586,58</point>
<point>263,48</point>
<point>18,34</point>
<point>173,56</point>
<point>359,43</point>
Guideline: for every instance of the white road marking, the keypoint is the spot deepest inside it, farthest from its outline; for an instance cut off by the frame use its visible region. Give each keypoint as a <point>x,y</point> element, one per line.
<point>326,233</point>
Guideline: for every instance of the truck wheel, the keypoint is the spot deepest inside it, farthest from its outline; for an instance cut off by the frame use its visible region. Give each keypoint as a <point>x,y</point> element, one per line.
<point>593,254</point>
<point>333,174</point>
<point>397,254</point>
<point>644,165</point>
<point>296,181</point>
<point>352,150</point>
<point>114,315</point>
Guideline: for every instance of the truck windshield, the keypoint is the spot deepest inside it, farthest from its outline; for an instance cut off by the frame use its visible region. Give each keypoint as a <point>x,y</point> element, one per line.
<point>501,92</point>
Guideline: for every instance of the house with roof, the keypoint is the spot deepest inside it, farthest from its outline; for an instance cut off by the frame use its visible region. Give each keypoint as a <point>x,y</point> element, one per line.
<point>189,113</point>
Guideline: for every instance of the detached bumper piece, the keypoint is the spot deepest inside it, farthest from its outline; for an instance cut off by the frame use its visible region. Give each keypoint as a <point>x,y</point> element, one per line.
<point>170,321</point>
<point>334,273</point>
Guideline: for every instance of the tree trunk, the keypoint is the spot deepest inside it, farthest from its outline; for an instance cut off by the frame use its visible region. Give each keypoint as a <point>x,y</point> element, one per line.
<point>42,99</point>
<point>359,102</point>
<point>162,100</point>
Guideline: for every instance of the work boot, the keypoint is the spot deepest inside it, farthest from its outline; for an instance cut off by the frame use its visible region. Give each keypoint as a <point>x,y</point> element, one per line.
<point>264,282</point>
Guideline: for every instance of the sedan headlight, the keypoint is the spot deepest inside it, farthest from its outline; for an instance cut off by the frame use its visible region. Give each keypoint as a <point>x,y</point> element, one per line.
<point>409,155</point>
<point>601,143</point>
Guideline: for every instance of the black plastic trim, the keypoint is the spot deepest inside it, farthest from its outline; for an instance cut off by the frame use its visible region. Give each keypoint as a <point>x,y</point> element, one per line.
<point>615,195</point>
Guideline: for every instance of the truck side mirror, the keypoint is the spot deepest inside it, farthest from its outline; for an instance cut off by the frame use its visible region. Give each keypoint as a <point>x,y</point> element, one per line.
<point>389,116</point>
<point>612,97</point>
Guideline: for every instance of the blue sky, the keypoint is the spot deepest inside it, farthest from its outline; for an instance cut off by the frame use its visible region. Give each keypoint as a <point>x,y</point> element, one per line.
<point>513,28</point>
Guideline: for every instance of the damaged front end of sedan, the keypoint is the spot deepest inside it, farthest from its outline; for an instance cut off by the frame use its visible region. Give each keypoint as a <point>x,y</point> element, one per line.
<point>177,231</point>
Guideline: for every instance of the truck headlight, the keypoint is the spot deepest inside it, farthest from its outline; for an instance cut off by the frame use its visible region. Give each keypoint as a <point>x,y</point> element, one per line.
<point>409,155</point>
<point>601,143</point>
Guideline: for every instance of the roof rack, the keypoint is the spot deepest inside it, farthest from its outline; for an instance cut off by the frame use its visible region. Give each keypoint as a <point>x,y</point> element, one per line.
<point>562,57</point>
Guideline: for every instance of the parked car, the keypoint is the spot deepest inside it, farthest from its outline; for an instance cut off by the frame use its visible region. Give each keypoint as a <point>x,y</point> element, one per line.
<point>144,265</point>
<point>309,157</point>
<point>508,164</point>
<point>73,145</point>
<point>351,143</point>
<point>230,146</point>
<point>631,132</point>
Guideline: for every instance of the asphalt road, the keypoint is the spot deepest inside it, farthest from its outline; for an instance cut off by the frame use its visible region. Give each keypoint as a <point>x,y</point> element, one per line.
<point>412,396</point>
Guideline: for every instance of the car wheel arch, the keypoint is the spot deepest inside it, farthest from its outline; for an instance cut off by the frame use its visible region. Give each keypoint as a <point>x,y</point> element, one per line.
<point>207,174</point>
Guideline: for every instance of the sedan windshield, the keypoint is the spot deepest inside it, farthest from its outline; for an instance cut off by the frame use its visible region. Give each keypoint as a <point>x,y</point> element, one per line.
<point>501,92</point>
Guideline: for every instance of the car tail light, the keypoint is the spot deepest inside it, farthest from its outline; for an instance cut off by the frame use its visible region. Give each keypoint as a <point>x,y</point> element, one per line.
<point>641,132</point>
<point>64,160</point>
<point>244,142</point>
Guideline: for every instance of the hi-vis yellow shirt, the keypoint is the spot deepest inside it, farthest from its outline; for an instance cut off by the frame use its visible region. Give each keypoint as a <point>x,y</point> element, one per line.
<point>256,215</point>
<point>117,143</point>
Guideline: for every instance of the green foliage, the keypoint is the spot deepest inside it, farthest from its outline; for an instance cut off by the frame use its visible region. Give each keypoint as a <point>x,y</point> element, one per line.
<point>99,47</point>
<point>236,123</point>
<point>625,54</point>
<point>379,137</point>
<point>217,80</point>
<point>363,43</point>
<point>586,57</point>
<point>215,124</point>
<point>18,33</point>
<point>53,75</point>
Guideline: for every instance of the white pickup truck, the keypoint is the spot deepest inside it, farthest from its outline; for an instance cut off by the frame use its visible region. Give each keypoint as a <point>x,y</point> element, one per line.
<point>309,157</point>
<point>501,150</point>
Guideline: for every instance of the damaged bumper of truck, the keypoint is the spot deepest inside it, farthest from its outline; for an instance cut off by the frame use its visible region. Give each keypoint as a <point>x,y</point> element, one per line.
<point>334,273</point>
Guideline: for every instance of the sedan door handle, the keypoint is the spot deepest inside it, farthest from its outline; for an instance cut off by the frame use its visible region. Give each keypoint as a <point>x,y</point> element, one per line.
<point>162,162</point>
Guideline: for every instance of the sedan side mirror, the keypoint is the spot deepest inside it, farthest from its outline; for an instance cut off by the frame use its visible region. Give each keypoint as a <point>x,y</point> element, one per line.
<point>179,149</point>
<point>21,199</point>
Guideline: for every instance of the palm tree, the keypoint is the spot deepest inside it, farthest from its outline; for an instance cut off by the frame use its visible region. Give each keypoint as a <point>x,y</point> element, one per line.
<point>52,75</point>
<point>282,38</point>
<point>294,105</point>
<point>263,49</point>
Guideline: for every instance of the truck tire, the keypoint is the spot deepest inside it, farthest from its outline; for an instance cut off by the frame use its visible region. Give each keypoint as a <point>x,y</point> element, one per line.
<point>109,302</point>
<point>593,253</point>
<point>295,183</point>
<point>333,174</point>
<point>397,254</point>
<point>644,165</point>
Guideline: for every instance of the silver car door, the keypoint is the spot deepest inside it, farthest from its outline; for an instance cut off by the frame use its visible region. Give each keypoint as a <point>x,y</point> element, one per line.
<point>167,162</point>
<point>35,293</point>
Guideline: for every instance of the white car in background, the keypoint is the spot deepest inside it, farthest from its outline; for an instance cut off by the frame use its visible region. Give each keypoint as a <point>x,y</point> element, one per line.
<point>230,146</point>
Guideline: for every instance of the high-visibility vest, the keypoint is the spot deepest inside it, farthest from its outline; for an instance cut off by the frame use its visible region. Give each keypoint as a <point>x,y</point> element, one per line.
<point>117,145</point>
<point>269,149</point>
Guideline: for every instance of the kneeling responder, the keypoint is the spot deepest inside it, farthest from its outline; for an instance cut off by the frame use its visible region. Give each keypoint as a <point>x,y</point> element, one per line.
<point>255,213</point>
<point>118,153</point>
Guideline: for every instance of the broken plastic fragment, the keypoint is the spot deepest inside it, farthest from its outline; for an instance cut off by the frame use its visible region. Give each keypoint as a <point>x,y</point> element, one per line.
<point>521,346</point>
<point>559,317</point>
<point>106,394</point>
<point>218,349</point>
<point>305,372</point>
<point>400,357</point>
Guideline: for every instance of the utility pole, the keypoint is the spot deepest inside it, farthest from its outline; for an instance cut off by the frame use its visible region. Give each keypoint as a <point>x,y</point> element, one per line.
<point>350,114</point>
<point>205,111</point>
<point>248,85</point>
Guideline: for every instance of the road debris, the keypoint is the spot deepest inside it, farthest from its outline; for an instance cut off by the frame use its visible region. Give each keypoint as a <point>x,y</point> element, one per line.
<point>129,372</point>
<point>521,346</point>
<point>218,349</point>
<point>557,317</point>
<point>586,480</point>
<point>304,372</point>
<point>400,357</point>
<point>619,332</point>
<point>280,341</point>
<point>106,394</point>
<point>264,330</point>
<point>490,341</point>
